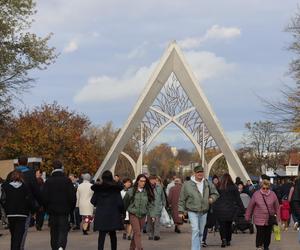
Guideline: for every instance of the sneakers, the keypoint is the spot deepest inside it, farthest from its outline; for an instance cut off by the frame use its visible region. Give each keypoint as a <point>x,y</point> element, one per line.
<point>296,225</point>
<point>156,238</point>
<point>60,248</point>
<point>203,244</point>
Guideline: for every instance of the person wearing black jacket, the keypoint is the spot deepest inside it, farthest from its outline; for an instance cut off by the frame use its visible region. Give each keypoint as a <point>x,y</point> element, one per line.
<point>227,207</point>
<point>30,181</point>
<point>109,209</point>
<point>59,200</point>
<point>17,202</point>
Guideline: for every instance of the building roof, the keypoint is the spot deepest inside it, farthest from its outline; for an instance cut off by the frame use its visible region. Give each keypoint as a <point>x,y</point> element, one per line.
<point>294,158</point>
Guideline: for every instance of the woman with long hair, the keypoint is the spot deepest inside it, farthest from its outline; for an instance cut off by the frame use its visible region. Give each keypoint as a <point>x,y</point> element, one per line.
<point>18,203</point>
<point>109,209</point>
<point>138,202</point>
<point>227,207</point>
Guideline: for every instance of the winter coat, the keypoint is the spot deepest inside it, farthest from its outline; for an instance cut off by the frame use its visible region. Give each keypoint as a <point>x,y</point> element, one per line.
<point>192,200</point>
<point>285,210</point>
<point>159,201</point>
<point>229,204</point>
<point>18,201</point>
<point>258,209</point>
<point>123,193</point>
<point>84,194</point>
<point>295,198</point>
<point>58,194</point>
<point>138,204</point>
<point>109,207</point>
<point>31,183</point>
<point>173,200</point>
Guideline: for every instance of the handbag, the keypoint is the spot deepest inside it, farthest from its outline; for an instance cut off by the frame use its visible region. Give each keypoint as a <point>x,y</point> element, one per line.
<point>272,221</point>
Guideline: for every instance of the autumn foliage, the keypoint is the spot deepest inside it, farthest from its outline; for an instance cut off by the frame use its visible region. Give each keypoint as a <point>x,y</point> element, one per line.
<point>51,132</point>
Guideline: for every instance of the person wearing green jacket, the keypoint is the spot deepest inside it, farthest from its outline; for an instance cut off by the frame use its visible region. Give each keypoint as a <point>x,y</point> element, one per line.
<point>195,197</point>
<point>153,227</point>
<point>138,201</point>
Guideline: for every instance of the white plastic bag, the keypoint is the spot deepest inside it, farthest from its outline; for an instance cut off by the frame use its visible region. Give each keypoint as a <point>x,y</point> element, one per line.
<point>165,218</point>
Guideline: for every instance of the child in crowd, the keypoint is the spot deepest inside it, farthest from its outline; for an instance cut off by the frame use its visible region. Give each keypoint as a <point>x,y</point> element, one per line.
<point>285,212</point>
<point>127,182</point>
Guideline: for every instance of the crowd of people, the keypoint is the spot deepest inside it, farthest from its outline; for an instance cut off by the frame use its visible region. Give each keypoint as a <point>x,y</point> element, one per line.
<point>140,205</point>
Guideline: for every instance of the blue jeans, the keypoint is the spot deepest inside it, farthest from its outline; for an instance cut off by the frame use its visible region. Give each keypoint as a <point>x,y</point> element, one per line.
<point>198,221</point>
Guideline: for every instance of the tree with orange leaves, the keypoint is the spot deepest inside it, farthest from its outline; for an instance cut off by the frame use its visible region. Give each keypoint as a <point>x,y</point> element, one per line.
<point>51,132</point>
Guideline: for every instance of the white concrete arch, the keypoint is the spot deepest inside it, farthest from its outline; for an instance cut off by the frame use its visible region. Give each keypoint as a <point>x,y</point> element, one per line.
<point>131,161</point>
<point>173,62</point>
<point>212,161</point>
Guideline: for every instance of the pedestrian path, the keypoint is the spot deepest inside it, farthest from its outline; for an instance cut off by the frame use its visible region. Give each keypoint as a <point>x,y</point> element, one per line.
<point>169,240</point>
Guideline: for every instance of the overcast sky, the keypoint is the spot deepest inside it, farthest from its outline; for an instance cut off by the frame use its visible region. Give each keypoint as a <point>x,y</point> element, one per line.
<point>108,49</point>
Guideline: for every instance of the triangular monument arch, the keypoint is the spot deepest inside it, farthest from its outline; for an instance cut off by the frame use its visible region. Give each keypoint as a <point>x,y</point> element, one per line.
<point>173,95</point>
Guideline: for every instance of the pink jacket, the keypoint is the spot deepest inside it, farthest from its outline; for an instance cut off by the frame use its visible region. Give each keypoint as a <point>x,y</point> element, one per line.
<point>258,209</point>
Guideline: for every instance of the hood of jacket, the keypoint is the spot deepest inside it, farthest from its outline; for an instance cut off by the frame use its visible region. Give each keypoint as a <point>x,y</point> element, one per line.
<point>58,172</point>
<point>16,184</point>
<point>106,188</point>
<point>22,168</point>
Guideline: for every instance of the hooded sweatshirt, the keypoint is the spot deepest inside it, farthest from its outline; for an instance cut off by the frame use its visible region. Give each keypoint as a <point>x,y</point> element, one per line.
<point>18,200</point>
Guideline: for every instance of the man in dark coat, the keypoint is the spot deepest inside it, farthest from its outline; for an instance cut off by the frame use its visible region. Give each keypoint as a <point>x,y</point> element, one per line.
<point>59,200</point>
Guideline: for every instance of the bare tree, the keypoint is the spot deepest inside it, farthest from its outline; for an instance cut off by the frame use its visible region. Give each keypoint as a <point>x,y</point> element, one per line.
<point>286,112</point>
<point>267,143</point>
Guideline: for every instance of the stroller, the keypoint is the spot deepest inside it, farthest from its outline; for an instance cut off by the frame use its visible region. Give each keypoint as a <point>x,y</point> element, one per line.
<point>239,223</point>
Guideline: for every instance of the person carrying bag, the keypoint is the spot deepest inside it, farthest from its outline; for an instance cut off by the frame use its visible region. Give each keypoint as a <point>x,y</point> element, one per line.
<point>263,206</point>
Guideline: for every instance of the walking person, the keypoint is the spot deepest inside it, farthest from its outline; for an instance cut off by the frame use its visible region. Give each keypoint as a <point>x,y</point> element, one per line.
<point>195,197</point>
<point>127,182</point>
<point>17,202</point>
<point>173,200</point>
<point>211,221</point>
<point>59,200</point>
<point>83,197</point>
<point>227,208</point>
<point>171,184</point>
<point>31,183</point>
<point>294,198</point>
<point>153,226</point>
<point>138,202</point>
<point>40,213</point>
<point>263,203</point>
<point>75,218</point>
<point>109,209</point>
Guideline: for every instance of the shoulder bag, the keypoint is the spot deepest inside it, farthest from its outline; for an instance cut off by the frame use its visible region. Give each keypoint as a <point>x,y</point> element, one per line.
<point>272,218</point>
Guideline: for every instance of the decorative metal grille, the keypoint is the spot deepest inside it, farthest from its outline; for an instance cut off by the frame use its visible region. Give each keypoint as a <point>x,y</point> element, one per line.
<point>172,101</point>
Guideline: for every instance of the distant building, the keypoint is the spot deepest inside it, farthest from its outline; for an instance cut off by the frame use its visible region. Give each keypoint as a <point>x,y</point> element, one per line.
<point>7,166</point>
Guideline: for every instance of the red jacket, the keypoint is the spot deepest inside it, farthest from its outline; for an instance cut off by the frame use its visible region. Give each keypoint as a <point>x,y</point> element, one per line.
<point>285,210</point>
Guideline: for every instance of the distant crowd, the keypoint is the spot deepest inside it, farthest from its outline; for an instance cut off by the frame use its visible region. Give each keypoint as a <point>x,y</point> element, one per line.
<point>144,205</point>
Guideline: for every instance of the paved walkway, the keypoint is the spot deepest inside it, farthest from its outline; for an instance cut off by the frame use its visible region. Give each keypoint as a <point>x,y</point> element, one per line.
<point>169,240</point>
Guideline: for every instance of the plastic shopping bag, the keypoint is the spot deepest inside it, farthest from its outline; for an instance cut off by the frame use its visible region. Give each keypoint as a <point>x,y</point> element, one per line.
<point>165,218</point>
<point>277,234</point>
